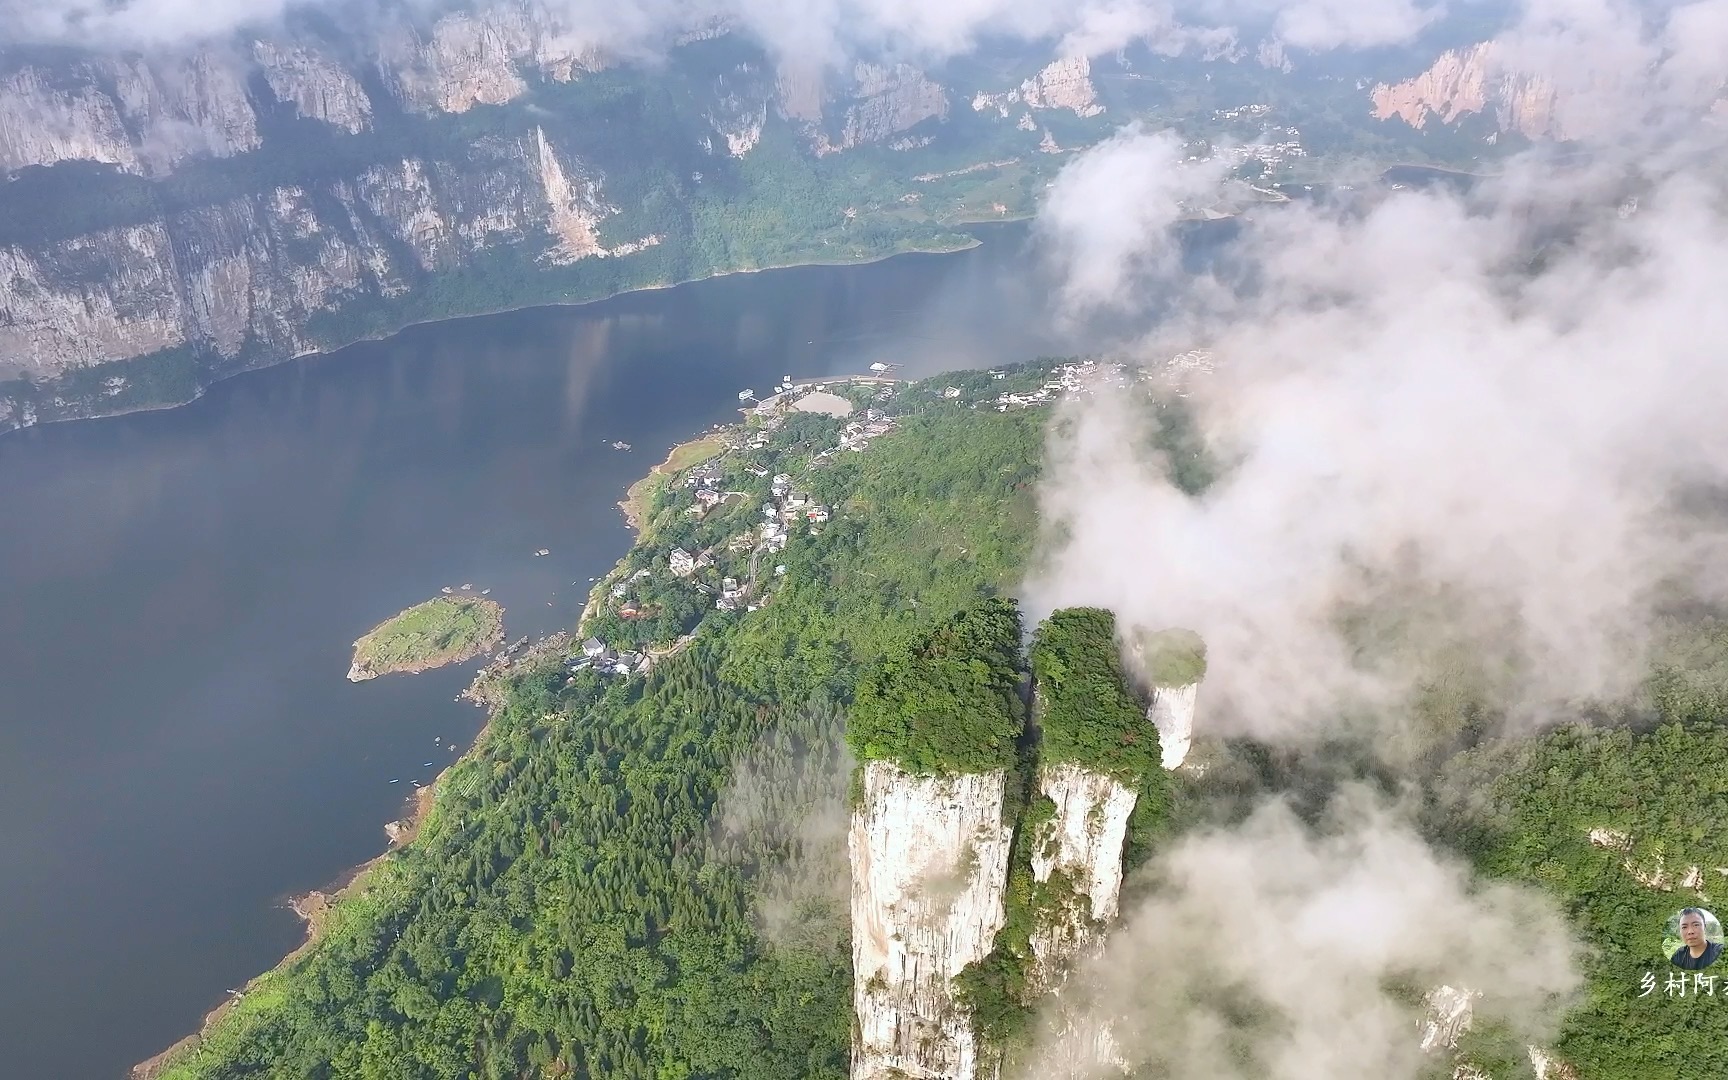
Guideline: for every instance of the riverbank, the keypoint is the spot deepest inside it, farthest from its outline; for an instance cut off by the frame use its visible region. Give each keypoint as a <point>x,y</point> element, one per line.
<point>319,907</point>
<point>638,495</point>
<point>123,368</point>
<point>315,909</point>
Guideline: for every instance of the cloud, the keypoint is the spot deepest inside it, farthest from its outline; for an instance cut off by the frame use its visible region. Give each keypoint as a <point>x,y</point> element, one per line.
<point>1272,951</point>
<point>1105,224</point>
<point>1418,422</point>
<point>1322,25</point>
<point>135,22</point>
<point>784,815</point>
<point>811,31</point>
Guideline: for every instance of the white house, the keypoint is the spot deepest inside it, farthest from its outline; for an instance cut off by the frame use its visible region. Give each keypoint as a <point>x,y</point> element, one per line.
<point>682,562</point>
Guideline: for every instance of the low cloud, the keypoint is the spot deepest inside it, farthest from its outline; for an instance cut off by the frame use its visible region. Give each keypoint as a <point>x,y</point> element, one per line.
<point>1492,455</point>
<point>784,817</point>
<point>1273,951</point>
<point>1106,223</point>
<point>1323,25</point>
<point>808,31</point>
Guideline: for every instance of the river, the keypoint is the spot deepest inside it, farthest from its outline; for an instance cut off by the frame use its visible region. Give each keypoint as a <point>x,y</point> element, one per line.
<point>179,748</point>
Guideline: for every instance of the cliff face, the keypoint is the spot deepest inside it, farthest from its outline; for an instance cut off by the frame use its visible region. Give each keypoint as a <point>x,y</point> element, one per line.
<point>1081,848</point>
<point>929,871</point>
<point>316,86</point>
<point>141,115</point>
<point>1063,84</point>
<point>875,104</point>
<point>253,271</point>
<point>110,256</point>
<point>1172,713</point>
<point>1077,862</point>
<point>1471,81</point>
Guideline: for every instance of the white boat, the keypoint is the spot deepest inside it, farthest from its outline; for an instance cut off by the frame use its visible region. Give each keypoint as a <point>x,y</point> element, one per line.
<point>395,781</point>
<point>542,551</point>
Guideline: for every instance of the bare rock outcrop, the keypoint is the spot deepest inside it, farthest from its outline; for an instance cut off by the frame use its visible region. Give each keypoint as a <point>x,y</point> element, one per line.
<point>929,874</point>
<point>317,87</point>
<point>1462,82</point>
<point>1172,713</point>
<point>1062,84</point>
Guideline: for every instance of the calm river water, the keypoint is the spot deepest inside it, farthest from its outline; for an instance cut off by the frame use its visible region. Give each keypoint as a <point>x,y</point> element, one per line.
<point>179,748</point>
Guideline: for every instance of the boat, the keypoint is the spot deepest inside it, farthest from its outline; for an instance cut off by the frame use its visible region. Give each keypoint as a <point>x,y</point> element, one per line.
<point>395,781</point>
<point>425,764</point>
<point>620,446</point>
<point>542,551</point>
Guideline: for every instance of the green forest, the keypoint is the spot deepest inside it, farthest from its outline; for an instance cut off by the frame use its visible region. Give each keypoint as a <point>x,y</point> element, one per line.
<point>589,896</point>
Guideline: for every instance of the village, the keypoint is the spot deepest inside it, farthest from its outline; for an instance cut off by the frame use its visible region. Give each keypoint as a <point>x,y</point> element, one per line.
<point>786,508</point>
<point>1083,377</point>
<point>733,571</point>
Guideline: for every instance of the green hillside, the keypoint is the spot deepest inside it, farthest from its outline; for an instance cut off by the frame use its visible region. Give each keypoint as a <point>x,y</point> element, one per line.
<point>588,897</point>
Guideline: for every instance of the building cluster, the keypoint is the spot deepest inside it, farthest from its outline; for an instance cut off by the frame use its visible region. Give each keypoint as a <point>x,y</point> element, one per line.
<point>1274,146</point>
<point>857,434</point>
<point>1240,111</point>
<point>1277,146</point>
<point>787,509</point>
<point>1084,376</point>
<point>601,657</point>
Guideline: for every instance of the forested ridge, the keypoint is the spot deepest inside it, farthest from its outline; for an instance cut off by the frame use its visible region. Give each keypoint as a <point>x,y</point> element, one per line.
<point>592,895</point>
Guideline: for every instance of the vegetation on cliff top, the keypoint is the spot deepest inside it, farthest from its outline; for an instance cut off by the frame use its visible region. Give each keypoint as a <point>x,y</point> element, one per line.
<point>1172,657</point>
<point>439,631</point>
<point>948,702</point>
<point>1087,712</point>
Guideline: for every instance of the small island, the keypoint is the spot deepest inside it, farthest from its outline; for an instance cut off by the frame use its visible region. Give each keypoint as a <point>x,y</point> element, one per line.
<point>443,630</point>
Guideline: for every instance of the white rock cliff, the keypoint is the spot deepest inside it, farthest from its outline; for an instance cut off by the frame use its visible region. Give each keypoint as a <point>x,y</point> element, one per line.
<point>1472,80</point>
<point>929,872</point>
<point>1081,846</point>
<point>1172,713</point>
<point>1083,843</point>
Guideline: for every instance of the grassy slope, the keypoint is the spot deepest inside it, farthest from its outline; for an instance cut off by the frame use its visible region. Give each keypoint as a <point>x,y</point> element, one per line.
<point>443,630</point>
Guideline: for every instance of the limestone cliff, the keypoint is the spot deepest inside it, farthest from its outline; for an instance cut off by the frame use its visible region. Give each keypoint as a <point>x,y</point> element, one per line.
<point>143,115</point>
<point>1172,713</point>
<point>1473,80</point>
<point>875,104</point>
<point>1063,84</point>
<point>315,85</point>
<point>1078,851</point>
<point>929,872</point>
<point>253,271</point>
<point>889,101</point>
